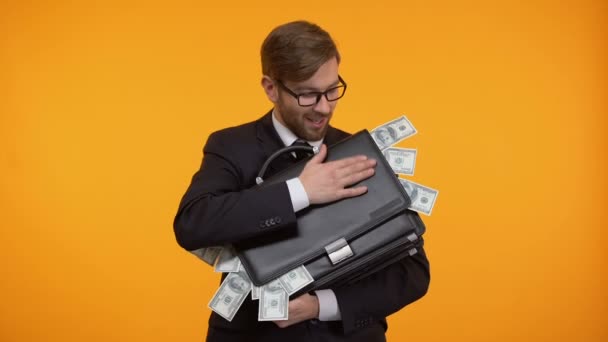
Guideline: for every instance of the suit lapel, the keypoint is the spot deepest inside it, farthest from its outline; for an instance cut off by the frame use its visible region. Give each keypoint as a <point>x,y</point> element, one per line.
<point>267,136</point>
<point>270,142</point>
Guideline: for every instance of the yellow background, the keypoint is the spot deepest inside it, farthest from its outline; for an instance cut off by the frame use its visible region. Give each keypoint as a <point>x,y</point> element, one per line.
<point>105,107</point>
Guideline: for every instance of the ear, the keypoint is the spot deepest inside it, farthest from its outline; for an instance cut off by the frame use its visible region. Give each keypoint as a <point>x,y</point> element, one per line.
<point>270,89</point>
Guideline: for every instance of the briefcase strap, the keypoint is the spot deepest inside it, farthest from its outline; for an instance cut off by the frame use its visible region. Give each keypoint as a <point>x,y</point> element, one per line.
<point>311,149</point>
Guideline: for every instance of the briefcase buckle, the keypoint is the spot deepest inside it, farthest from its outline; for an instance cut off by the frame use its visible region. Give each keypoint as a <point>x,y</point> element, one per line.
<point>412,237</point>
<point>338,251</point>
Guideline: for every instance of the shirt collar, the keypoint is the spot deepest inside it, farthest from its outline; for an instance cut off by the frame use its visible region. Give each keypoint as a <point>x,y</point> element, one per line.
<point>287,136</point>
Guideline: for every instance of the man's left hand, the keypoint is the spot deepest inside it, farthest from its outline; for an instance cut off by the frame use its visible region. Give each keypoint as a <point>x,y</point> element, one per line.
<point>301,309</point>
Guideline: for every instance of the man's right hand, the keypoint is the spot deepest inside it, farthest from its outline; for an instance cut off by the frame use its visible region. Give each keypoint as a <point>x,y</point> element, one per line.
<point>328,182</point>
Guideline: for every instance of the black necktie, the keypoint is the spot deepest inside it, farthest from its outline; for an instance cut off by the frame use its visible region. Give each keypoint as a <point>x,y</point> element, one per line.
<point>299,153</point>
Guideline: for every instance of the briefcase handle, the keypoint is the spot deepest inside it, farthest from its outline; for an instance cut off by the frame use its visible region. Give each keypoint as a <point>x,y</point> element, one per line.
<point>313,149</point>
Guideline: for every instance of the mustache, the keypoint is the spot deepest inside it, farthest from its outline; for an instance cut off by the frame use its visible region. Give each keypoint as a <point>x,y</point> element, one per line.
<point>316,115</point>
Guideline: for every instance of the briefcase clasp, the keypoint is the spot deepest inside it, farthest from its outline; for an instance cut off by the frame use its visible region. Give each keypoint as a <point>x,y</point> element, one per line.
<point>338,251</point>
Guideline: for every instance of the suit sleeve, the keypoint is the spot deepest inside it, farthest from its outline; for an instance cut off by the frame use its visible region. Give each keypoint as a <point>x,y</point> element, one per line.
<point>384,292</point>
<point>218,209</point>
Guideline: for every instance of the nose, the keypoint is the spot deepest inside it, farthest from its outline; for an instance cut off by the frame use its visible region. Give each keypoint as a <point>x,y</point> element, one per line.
<point>322,106</point>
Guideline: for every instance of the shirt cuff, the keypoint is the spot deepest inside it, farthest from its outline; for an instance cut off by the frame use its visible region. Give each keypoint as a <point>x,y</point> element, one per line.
<point>328,306</point>
<point>299,197</point>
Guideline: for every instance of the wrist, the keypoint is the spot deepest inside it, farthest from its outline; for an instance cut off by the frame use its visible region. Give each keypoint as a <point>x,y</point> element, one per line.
<point>315,305</point>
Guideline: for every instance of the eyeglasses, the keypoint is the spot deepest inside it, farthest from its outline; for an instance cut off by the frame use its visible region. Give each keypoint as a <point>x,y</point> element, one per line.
<point>312,98</point>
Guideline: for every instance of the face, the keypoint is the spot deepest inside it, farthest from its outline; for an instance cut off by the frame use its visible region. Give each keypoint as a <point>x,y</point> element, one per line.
<point>308,123</point>
<point>384,137</point>
<point>238,284</point>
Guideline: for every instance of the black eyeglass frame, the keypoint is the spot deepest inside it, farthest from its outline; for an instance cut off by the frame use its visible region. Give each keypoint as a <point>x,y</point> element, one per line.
<point>317,93</point>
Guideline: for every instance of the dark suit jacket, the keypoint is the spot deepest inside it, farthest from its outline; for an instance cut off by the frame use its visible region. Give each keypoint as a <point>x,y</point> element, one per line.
<point>222,205</point>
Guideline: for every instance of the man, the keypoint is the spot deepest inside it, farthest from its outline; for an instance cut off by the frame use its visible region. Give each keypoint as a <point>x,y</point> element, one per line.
<point>222,205</point>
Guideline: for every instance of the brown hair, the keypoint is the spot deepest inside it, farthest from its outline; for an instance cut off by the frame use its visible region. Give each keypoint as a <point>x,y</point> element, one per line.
<point>295,51</point>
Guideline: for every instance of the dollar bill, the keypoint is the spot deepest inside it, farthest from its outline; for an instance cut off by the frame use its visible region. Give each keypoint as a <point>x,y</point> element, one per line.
<point>401,160</point>
<point>274,302</point>
<point>392,132</point>
<point>295,279</point>
<point>227,261</point>
<point>199,253</point>
<point>208,254</point>
<point>255,292</point>
<point>230,296</point>
<point>423,198</point>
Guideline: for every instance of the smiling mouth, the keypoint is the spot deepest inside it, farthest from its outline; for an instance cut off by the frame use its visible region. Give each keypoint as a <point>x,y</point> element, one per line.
<point>317,123</point>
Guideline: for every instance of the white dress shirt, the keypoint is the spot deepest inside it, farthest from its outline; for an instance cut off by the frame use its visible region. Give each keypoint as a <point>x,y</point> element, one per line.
<point>328,305</point>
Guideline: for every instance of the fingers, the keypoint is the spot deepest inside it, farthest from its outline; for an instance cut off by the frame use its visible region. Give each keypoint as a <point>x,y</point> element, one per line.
<point>356,177</point>
<point>326,182</point>
<point>353,174</point>
<point>282,324</point>
<point>352,192</point>
<point>356,168</point>
<point>340,163</point>
<point>299,309</point>
<point>345,162</point>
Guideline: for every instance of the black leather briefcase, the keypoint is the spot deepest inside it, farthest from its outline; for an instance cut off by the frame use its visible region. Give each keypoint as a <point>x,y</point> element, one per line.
<point>343,241</point>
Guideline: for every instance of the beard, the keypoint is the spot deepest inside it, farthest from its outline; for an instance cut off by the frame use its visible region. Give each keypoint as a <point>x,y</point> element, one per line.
<point>297,123</point>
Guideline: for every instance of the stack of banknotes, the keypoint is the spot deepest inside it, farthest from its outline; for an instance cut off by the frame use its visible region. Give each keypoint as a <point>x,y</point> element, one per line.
<point>403,161</point>
<point>274,297</point>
